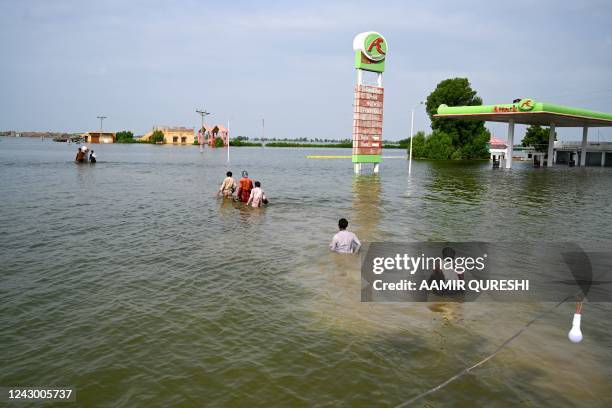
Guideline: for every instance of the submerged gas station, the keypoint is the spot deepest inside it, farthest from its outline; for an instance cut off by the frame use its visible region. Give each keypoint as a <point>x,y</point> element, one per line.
<point>529,112</point>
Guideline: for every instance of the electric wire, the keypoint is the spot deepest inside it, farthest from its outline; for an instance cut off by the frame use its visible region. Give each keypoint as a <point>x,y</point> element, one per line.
<point>484,360</point>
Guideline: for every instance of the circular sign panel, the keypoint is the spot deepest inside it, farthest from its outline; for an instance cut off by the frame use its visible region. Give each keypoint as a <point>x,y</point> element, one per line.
<point>372,44</point>
<point>526,104</point>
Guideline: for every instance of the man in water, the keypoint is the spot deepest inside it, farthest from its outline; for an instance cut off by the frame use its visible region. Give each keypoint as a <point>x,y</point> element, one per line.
<point>344,241</point>
<point>257,196</point>
<point>244,187</point>
<point>441,274</point>
<point>228,186</point>
<point>92,157</point>
<point>80,156</point>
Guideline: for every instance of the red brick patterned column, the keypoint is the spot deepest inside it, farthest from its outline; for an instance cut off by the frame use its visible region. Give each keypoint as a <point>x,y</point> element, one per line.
<point>367,124</point>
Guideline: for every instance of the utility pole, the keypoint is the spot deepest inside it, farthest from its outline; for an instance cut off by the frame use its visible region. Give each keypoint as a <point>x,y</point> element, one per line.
<point>228,140</point>
<point>412,136</point>
<point>202,113</point>
<point>101,120</point>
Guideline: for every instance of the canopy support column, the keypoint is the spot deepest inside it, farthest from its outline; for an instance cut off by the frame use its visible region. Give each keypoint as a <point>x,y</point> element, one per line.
<point>510,144</point>
<point>551,145</point>
<point>585,132</point>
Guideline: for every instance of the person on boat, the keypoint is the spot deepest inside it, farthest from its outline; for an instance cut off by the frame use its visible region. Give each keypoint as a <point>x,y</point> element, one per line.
<point>345,242</point>
<point>80,156</point>
<point>257,197</point>
<point>245,186</point>
<point>92,157</point>
<point>228,186</point>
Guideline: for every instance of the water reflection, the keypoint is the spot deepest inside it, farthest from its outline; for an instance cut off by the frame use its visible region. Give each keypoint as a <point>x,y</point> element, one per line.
<point>227,207</point>
<point>366,207</point>
<point>452,182</point>
<point>453,198</point>
<point>537,188</point>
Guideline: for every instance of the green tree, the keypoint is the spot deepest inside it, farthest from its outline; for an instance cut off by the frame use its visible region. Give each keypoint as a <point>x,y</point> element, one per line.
<point>537,137</point>
<point>439,146</point>
<point>468,138</point>
<point>218,142</point>
<point>157,136</point>
<point>404,143</point>
<point>418,146</point>
<point>124,136</point>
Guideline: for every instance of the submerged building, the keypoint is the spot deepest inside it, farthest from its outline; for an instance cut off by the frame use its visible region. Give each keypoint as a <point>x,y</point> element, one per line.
<point>527,111</point>
<point>173,134</point>
<point>564,152</point>
<point>99,137</point>
<point>210,133</point>
<point>595,153</point>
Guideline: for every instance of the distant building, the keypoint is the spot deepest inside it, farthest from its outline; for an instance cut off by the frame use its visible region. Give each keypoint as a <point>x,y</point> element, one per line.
<point>497,149</point>
<point>99,137</point>
<point>211,133</point>
<point>173,135</point>
<point>564,152</point>
<point>596,153</point>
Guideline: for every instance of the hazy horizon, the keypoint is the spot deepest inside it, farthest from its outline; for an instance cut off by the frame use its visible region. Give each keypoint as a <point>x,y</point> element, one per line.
<point>148,63</point>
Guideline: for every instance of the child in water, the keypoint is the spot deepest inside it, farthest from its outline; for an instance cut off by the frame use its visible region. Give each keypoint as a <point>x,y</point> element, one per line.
<point>257,197</point>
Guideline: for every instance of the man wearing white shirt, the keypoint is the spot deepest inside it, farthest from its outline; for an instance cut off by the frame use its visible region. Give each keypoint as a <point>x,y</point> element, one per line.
<point>344,241</point>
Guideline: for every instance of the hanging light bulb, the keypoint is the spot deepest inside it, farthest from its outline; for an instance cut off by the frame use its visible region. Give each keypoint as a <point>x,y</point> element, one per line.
<point>575,335</point>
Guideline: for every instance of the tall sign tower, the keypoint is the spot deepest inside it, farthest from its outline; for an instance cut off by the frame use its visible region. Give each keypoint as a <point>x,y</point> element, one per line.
<point>370,53</point>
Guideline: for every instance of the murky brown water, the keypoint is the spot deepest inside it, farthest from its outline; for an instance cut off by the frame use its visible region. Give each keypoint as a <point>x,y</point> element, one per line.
<point>130,281</point>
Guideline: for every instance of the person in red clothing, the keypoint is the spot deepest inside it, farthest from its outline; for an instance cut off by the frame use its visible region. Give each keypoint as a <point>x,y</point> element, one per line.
<point>245,185</point>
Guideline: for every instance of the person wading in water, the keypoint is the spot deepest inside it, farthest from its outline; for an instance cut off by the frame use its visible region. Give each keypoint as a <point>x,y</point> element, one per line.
<point>81,155</point>
<point>345,242</point>
<point>245,185</point>
<point>257,197</point>
<point>228,186</point>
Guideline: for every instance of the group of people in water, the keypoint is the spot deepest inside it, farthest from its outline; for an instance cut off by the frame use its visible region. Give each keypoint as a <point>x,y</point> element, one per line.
<point>246,190</point>
<point>251,193</point>
<point>81,155</point>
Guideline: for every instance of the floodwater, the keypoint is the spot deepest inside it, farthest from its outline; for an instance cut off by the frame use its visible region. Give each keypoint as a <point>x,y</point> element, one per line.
<point>131,282</point>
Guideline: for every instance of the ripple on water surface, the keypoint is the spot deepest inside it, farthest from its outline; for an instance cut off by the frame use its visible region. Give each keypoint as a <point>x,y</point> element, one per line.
<point>131,281</point>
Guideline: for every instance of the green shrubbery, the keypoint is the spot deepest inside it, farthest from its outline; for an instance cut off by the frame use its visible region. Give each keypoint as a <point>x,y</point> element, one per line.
<point>537,137</point>
<point>124,136</point>
<point>157,136</point>
<point>452,138</point>
<point>241,143</point>
<point>342,144</point>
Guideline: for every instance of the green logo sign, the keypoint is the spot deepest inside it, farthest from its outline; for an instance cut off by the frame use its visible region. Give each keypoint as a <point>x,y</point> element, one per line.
<point>371,49</point>
<point>526,104</point>
<point>375,47</point>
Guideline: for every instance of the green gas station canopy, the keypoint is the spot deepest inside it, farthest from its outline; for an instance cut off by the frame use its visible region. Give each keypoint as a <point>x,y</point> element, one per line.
<point>528,112</point>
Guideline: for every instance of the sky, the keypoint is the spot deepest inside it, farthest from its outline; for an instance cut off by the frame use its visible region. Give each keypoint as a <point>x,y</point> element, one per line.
<point>147,63</point>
